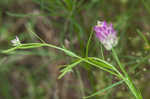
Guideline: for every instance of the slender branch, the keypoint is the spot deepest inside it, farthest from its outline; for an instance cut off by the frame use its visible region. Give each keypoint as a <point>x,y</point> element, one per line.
<point>88,43</point>
<point>136,92</point>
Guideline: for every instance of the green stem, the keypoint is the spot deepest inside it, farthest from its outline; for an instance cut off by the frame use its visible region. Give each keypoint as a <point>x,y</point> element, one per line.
<point>81,83</point>
<point>128,81</point>
<point>88,43</point>
<point>102,52</point>
<point>83,59</point>
<point>118,62</point>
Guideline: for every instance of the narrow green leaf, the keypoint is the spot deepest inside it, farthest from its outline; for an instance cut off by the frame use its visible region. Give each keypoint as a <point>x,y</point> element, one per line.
<point>100,67</point>
<point>105,89</point>
<point>101,62</point>
<point>88,43</point>
<point>143,37</point>
<point>23,46</point>
<point>24,15</point>
<point>69,68</point>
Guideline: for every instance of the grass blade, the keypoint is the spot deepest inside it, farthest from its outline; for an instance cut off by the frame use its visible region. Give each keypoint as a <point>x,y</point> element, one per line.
<point>69,68</point>
<point>142,35</point>
<point>105,89</point>
<point>88,43</point>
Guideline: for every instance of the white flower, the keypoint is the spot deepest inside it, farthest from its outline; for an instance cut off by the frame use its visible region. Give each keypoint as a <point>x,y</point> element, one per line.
<point>16,41</point>
<point>110,42</point>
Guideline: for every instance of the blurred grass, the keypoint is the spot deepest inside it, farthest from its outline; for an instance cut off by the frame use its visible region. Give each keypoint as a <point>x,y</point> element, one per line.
<point>32,74</point>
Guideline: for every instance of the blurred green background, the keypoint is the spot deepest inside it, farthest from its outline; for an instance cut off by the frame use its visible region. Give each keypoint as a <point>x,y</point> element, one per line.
<point>33,73</point>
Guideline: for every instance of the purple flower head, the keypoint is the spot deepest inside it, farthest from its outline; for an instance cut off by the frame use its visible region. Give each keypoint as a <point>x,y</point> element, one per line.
<point>106,34</point>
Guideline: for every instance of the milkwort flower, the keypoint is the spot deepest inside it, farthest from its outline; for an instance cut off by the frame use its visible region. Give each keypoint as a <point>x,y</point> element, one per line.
<point>106,34</point>
<point>16,41</point>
